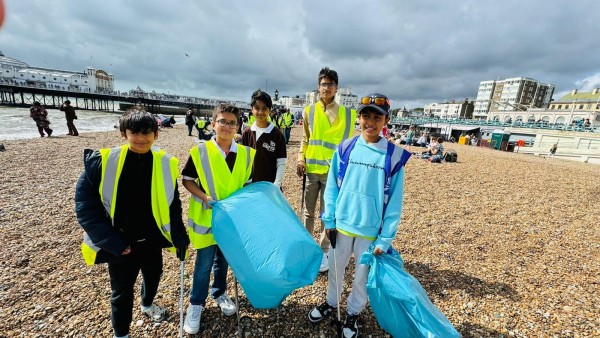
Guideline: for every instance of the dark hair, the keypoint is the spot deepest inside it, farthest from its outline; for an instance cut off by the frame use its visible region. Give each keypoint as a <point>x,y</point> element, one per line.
<point>36,103</point>
<point>68,102</point>
<point>226,108</point>
<point>137,119</point>
<point>328,73</point>
<point>259,95</point>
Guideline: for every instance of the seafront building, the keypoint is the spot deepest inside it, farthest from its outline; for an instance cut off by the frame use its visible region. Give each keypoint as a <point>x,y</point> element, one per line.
<point>450,110</point>
<point>512,94</point>
<point>19,73</point>
<point>575,108</point>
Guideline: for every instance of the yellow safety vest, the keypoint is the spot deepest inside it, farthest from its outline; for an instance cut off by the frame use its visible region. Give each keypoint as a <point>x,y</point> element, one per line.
<point>324,137</point>
<point>165,170</point>
<point>218,182</point>
<point>201,123</point>
<point>287,118</point>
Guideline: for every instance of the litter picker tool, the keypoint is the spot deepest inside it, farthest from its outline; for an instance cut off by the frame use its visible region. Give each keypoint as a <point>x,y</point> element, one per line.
<point>333,240</point>
<point>181,272</point>
<point>237,307</point>
<point>303,191</point>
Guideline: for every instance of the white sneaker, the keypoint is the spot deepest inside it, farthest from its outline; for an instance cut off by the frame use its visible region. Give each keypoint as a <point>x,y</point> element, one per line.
<point>324,263</point>
<point>227,306</point>
<point>155,312</point>
<point>191,325</point>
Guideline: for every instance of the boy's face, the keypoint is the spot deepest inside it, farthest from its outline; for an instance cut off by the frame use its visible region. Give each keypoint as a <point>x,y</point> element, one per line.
<point>261,111</point>
<point>221,126</point>
<point>327,89</point>
<point>140,143</point>
<point>371,124</point>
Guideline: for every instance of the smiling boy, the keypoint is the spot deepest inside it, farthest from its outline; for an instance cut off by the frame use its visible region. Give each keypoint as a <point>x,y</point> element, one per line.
<point>214,170</point>
<point>363,205</point>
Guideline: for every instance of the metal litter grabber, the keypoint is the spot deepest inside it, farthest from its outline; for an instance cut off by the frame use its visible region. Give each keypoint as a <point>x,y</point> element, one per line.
<point>333,240</point>
<point>237,307</point>
<point>181,272</point>
<point>303,191</point>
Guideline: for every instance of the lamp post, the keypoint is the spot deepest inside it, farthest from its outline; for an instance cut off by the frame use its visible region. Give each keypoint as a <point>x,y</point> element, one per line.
<point>276,94</point>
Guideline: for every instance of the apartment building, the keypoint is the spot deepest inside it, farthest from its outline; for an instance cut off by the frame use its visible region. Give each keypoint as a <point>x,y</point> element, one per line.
<point>512,94</point>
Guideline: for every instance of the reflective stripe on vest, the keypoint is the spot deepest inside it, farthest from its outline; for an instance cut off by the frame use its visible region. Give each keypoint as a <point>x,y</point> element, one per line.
<point>165,170</point>
<point>218,182</point>
<point>324,138</point>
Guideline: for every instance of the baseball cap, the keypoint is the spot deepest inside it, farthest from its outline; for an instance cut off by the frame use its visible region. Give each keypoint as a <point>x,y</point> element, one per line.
<point>376,101</point>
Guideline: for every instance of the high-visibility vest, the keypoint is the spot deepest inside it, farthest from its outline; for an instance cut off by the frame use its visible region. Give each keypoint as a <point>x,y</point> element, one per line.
<point>324,138</point>
<point>165,170</point>
<point>287,119</point>
<point>218,182</point>
<point>252,119</point>
<point>201,124</point>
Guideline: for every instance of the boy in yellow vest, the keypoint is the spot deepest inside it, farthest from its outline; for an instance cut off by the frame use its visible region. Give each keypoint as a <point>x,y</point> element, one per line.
<point>326,124</point>
<point>127,202</point>
<point>215,169</point>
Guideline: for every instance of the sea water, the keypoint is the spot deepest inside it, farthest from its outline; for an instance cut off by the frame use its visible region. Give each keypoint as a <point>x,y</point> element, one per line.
<point>16,124</point>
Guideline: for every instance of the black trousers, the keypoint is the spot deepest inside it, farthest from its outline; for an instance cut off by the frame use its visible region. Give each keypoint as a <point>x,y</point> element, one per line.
<point>122,280</point>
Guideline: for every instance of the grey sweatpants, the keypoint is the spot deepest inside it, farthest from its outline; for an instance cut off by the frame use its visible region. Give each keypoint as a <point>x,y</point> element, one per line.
<point>345,247</point>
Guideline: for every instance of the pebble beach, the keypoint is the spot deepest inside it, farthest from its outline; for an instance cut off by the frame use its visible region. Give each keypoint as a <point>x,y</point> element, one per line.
<point>505,244</point>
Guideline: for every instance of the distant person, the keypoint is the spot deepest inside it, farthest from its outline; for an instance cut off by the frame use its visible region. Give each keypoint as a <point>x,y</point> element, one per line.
<point>70,116</point>
<point>40,116</point>
<point>127,202</point>
<point>422,141</point>
<point>287,122</point>
<point>553,150</point>
<point>326,124</point>
<point>271,155</point>
<point>190,120</point>
<point>410,135</point>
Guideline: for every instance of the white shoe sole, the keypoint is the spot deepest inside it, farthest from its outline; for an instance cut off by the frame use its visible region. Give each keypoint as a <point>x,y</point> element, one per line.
<point>190,330</point>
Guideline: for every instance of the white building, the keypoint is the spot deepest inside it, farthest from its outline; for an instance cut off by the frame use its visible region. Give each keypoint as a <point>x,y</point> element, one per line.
<point>449,110</point>
<point>18,73</point>
<point>343,96</point>
<point>511,94</point>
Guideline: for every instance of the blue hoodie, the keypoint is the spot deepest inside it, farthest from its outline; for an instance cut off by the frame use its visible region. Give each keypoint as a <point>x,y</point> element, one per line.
<point>357,206</point>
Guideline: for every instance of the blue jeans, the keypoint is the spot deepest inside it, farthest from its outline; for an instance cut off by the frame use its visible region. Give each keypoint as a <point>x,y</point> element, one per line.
<point>286,134</point>
<point>207,258</point>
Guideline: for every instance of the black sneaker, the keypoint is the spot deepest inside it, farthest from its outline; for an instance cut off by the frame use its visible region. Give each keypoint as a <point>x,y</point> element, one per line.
<point>320,312</point>
<point>350,327</point>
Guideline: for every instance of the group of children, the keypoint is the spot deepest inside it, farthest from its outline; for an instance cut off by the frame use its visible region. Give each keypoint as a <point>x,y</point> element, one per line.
<point>128,204</point>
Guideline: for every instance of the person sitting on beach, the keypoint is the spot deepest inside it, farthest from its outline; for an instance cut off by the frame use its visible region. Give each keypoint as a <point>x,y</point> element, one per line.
<point>127,202</point>
<point>422,141</point>
<point>437,151</point>
<point>40,116</point>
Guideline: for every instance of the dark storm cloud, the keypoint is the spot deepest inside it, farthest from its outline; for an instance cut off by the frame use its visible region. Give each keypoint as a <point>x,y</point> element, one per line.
<point>416,52</point>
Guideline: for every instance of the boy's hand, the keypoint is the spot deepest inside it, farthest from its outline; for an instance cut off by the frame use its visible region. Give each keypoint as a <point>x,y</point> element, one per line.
<point>127,251</point>
<point>300,169</point>
<point>377,251</point>
<point>332,235</point>
<point>209,202</point>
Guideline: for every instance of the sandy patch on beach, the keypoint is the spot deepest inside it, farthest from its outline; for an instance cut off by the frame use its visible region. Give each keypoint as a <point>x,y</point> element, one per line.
<point>505,244</point>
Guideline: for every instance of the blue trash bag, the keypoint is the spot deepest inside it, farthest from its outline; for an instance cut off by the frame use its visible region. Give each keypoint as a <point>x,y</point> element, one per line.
<point>266,245</point>
<point>399,302</point>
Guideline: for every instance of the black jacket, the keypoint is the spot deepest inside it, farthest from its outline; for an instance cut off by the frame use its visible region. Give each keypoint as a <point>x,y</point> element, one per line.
<point>96,222</point>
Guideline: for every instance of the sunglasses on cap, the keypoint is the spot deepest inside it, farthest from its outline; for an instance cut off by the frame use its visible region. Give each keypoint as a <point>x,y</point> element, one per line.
<point>378,101</point>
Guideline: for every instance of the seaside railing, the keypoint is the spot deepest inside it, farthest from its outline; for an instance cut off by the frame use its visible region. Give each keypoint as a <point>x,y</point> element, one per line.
<point>517,124</point>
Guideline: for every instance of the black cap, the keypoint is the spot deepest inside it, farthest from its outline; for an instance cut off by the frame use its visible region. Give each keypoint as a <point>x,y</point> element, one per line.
<point>382,109</point>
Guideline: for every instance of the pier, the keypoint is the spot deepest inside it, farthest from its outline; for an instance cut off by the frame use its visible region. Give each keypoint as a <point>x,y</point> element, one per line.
<point>24,96</point>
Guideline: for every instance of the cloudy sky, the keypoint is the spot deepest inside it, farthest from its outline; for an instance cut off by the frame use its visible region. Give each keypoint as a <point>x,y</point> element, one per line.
<point>416,52</point>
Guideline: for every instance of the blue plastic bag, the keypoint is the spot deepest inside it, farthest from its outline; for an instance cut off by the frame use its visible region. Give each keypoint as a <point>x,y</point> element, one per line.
<point>266,245</point>
<point>399,302</point>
